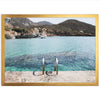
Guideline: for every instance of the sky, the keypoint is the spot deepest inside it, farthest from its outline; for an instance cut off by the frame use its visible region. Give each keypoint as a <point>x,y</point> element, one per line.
<point>59,20</point>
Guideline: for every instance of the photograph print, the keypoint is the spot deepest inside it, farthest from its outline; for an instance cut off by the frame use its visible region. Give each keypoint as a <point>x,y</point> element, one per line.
<point>50,50</point>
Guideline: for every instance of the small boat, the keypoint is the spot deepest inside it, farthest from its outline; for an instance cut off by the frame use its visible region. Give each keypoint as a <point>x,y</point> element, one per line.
<point>42,37</point>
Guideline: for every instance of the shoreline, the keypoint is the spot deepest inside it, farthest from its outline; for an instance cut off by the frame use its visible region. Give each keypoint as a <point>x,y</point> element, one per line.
<point>63,76</point>
<point>53,36</point>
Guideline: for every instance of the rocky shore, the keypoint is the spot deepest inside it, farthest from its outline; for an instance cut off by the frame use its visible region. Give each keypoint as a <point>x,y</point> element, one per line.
<point>20,33</point>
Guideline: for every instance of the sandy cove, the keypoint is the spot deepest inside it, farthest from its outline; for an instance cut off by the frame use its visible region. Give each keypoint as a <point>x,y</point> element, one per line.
<point>63,76</point>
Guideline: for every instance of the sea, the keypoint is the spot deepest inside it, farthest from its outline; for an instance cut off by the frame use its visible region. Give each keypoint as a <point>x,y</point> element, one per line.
<point>74,53</point>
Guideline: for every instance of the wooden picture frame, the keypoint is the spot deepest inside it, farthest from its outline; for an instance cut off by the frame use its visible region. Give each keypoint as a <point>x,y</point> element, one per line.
<point>96,16</point>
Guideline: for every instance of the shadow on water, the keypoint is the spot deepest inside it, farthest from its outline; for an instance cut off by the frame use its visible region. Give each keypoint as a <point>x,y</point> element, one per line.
<point>67,61</point>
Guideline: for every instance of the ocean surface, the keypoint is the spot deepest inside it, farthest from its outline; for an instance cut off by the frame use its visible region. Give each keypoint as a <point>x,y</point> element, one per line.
<point>73,52</point>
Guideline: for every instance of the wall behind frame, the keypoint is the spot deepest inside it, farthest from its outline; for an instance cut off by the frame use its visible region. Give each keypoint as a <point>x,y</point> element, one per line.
<point>48,7</point>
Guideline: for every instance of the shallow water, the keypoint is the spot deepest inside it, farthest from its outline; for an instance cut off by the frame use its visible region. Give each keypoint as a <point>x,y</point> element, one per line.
<point>73,53</point>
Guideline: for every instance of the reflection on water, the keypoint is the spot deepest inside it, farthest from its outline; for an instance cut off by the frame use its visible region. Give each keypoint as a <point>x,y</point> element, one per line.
<point>74,53</point>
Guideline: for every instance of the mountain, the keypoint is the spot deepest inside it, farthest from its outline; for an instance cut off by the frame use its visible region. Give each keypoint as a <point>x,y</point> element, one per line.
<point>24,27</point>
<point>78,26</point>
<point>21,22</point>
<point>72,28</point>
<point>44,23</point>
<point>25,22</point>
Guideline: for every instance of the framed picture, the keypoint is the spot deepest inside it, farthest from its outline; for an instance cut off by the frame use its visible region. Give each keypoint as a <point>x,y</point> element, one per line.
<point>50,50</point>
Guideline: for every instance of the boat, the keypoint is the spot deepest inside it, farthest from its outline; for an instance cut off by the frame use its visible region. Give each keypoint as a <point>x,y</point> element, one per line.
<point>42,37</point>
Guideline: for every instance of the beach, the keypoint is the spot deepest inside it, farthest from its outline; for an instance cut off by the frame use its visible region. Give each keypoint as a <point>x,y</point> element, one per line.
<point>50,77</point>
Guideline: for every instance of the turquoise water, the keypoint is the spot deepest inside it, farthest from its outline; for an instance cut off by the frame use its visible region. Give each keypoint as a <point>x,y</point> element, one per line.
<point>74,53</point>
